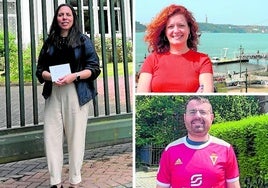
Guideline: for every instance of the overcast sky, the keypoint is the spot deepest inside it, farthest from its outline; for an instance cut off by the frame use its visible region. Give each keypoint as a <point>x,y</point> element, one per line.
<point>237,12</point>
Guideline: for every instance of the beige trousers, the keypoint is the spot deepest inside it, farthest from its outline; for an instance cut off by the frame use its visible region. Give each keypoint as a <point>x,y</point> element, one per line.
<point>64,116</point>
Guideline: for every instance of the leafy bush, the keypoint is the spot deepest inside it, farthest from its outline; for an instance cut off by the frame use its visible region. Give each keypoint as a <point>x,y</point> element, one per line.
<point>108,49</point>
<point>249,138</point>
<point>12,48</point>
<point>12,43</point>
<point>27,65</point>
<point>13,59</point>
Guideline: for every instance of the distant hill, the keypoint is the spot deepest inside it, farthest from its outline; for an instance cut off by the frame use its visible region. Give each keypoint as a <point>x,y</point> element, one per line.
<point>228,28</point>
<point>220,28</point>
<point>140,27</point>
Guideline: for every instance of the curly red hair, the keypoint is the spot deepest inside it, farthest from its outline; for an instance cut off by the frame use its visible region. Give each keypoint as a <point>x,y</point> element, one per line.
<point>155,32</point>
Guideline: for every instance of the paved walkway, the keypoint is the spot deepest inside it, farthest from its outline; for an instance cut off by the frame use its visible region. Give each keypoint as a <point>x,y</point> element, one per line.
<point>103,167</point>
<point>146,179</point>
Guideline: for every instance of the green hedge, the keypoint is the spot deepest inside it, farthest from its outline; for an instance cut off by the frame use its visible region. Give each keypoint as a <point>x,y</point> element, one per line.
<point>249,138</point>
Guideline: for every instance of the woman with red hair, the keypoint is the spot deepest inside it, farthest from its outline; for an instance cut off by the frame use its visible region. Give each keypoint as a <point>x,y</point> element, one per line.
<point>174,65</point>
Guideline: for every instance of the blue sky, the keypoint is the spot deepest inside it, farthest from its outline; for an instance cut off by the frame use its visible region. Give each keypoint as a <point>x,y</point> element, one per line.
<point>237,12</point>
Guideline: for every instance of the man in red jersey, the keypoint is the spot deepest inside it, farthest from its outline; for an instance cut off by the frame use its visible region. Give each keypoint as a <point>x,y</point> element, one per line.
<point>198,159</point>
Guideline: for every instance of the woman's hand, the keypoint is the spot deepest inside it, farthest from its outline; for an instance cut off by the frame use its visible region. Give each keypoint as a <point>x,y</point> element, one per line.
<point>46,75</point>
<point>69,78</point>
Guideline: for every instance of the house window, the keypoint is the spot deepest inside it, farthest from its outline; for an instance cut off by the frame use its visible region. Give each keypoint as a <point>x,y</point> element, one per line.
<point>117,16</point>
<point>107,17</point>
<point>105,9</point>
<point>12,20</point>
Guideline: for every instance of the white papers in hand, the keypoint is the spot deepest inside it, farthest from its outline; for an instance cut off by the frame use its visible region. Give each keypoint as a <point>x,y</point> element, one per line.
<point>59,71</point>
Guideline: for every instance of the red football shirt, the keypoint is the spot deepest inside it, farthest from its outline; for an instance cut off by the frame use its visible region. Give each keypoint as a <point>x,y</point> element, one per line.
<point>210,165</point>
<point>176,73</point>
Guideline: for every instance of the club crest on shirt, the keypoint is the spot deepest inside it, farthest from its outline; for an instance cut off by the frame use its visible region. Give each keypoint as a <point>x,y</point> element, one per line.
<point>213,158</point>
<point>178,162</point>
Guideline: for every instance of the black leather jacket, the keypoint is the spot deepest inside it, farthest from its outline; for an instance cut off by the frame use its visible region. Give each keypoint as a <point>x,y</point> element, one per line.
<point>85,58</point>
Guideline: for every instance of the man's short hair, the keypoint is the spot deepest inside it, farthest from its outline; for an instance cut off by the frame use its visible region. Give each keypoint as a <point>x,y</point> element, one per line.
<point>199,99</point>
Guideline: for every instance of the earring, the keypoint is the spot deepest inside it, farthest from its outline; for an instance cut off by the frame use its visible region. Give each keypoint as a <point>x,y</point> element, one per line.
<point>189,37</point>
<point>165,38</point>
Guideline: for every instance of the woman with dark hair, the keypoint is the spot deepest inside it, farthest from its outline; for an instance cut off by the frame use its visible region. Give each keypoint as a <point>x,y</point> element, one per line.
<point>174,64</point>
<point>67,93</point>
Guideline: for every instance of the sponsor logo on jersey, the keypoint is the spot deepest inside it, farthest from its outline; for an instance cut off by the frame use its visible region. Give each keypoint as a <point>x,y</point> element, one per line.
<point>213,158</point>
<point>196,180</point>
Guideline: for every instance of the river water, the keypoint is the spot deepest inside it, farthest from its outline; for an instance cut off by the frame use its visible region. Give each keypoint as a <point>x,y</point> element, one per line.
<point>219,45</point>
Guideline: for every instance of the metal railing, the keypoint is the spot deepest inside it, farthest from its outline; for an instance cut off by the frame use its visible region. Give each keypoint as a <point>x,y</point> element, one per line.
<point>150,154</point>
<point>21,102</point>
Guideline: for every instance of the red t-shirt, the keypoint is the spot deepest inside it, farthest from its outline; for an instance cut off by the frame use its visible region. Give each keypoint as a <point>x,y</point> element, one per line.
<point>176,73</point>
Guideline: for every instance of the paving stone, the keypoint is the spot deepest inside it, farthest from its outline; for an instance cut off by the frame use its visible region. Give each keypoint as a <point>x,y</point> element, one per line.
<point>104,167</point>
<point>3,179</point>
<point>145,179</point>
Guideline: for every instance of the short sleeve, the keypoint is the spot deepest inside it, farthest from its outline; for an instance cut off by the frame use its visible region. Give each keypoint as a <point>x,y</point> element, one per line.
<point>206,65</point>
<point>232,172</point>
<point>163,175</point>
<point>149,63</point>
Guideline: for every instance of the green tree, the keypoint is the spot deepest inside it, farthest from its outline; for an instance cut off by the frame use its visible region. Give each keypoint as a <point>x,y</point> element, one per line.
<point>234,107</point>
<point>156,119</point>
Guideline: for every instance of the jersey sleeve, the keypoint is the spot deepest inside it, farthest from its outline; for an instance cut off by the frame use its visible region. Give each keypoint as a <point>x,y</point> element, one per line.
<point>163,175</point>
<point>232,171</point>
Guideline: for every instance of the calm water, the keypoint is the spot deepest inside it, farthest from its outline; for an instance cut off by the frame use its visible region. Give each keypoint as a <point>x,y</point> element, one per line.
<point>215,44</point>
